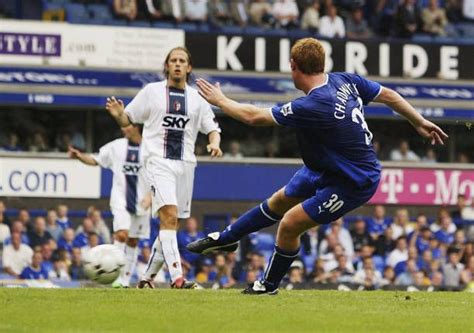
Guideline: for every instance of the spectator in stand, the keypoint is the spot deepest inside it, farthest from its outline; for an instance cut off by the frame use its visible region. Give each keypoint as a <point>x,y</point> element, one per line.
<point>378,223</point>
<point>388,277</point>
<point>286,13</point>
<point>468,10</point>
<point>63,220</point>
<point>399,254</point>
<point>401,225</point>
<point>17,226</point>
<point>452,270</point>
<point>403,153</point>
<point>63,141</point>
<point>385,12</point>
<point>12,143</point>
<point>360,235</point>
<point>356,25</point>
<point>4,230</point>
<point>81,238</point>
<point>152,10</point>
<point>51,225</point>
<point>16,256</point>
<point>462,157</point>
<point>195,11</point>
<point>76,269</point>
<point>343,236</point>
<point>67,240</point>
<point>261,13</point>
<point>223,276</point>
<point>310,18</point>
<point>402,265</point>
<point>430,156</point>
<point>407,277</point>
<point>38,143</point>
<point>39,235</point>
<point>365,252</point>
<point>331,25</point>
<point>127,9</point>
<point>92,241</point>
<point>234,151</point>
<point>421,239</point>
<point>344,270</point>
<point>467,275</point>
<point>47,253</point>
<point>434,19</point>
<point>99,225</point>
<point>3,218</point>
<point>443,213</point>
<point>437,279</point>
<point>408,19</point>
<point>443,235</point>
<point>24,218</point>
<point>59,271</point>
<point>454,10</point>
<point>368,276</point>
<point>319,274</point>
<point>172,10</point>
<point>186,236</point>
<point>295,274</point>
<point>240,12</point>
<point>456,213</point>
<point>36,270</point>
<point>219,13</point>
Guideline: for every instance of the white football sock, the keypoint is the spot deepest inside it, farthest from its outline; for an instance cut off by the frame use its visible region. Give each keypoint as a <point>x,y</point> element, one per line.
<point>155,262</point>
<point>171,253</point>
<point>131,256</point>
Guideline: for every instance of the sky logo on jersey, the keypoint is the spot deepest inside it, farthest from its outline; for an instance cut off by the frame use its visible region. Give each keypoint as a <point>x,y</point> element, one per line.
<point>131,169</point>
<point>175,122</point>
<point>286,109</point>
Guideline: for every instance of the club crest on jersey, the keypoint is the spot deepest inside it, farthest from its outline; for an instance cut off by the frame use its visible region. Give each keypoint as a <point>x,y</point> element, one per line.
<point>177,106</point>
<point>286,109</point>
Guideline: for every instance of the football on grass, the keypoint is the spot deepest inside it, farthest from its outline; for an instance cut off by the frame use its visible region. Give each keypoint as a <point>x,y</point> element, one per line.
<point>103,263</point>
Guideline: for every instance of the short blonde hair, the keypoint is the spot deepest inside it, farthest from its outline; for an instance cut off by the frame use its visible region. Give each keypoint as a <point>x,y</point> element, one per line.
<point>308,54</point>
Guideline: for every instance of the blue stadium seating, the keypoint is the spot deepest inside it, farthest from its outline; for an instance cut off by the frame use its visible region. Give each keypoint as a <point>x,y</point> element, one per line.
<point>188,26</point>
<point>76,13</point>
<point>163,25</point>
<point>139,24</point>
<point>99,12</point>
<point>215,222</point>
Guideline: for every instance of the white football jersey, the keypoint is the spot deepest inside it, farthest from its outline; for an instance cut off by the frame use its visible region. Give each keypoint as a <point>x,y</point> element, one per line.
<point>129,184</point>
<point>172,119</point>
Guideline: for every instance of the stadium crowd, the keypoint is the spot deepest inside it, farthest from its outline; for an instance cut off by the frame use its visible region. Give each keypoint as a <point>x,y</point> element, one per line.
<point>373,251</point>
<point>327,18</point>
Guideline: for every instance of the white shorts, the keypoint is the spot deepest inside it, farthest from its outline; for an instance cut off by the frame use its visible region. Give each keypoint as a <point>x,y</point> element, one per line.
<point>138,226</point>
<point>171,184</point>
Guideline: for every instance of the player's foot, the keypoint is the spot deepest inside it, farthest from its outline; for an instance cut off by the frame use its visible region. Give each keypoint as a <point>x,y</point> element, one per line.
<point>257,288</point>
<point>118,285</point>
<point>210,243</point>
<point>181,283</point>
<point>145,284</point>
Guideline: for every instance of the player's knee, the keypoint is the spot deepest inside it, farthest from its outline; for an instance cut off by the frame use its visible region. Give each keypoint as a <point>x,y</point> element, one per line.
<point>287,228</point>
<point>121,236</point>
<point>168,217</point>
<point>132,242</point>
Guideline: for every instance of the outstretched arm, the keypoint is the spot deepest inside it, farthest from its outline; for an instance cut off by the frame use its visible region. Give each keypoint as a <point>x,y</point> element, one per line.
<point>84,158</point>
<point>245,113</point>
<point>116,109</point>
<point>214,144</point>
<point>424,127</point>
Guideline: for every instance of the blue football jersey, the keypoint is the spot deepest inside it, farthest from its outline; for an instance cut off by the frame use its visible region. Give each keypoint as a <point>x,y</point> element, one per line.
<point>332,133</point>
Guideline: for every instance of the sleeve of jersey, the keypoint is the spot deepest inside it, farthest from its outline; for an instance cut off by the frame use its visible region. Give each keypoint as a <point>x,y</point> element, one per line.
<point>137,110</point>
<point>294,114</point>
<point>368,90</point>
<point>208,121</point>
<point>103,158</point>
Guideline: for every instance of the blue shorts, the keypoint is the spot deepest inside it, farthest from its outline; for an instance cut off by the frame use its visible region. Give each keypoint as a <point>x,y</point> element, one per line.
<point>328,197</point>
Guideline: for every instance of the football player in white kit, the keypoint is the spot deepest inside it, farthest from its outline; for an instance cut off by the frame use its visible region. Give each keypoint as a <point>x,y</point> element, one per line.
<point>130,197</point>
<point>172,113</point>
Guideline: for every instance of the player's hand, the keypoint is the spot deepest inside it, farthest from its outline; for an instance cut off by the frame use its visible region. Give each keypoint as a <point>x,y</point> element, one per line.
<point>146,202</point>
<point>73,152</point>
<point>211,93</point>
<point>214,150</point>
<point>430,131</point>
<point>114,106</point>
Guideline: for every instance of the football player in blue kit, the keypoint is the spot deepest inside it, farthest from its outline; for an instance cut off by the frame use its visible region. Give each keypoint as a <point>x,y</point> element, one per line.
<point>341,171</point>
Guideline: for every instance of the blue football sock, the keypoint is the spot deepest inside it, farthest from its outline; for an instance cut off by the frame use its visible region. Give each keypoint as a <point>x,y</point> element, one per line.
<point>255,219</point>
<point>279,265</point>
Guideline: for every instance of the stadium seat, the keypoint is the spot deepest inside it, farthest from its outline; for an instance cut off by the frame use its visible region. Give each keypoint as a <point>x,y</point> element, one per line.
<point>263,243</point>
<point>163,25</point>
<point>215,222</point>
<point>422,38</point>
<point>99,12</point>
<point>188,26</point>
<point>254,30</point>
<point>466,29</point>
<point>231,29</point>
<point>116,22</point>
<point>204,27</point>
<point>76,13</point>
<point>139,24</point>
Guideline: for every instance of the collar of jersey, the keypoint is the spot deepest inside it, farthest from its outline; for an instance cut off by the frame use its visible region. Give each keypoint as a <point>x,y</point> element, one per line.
<point>321,85</point>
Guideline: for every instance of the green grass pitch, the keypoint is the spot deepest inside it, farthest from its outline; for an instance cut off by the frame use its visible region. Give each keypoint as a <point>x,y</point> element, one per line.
<point>162,310</point>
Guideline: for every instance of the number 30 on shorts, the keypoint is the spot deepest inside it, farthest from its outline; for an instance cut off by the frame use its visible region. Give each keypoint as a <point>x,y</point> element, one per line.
<point>333,204</point>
